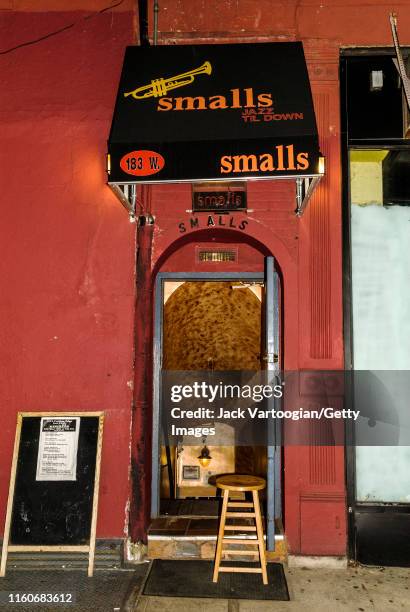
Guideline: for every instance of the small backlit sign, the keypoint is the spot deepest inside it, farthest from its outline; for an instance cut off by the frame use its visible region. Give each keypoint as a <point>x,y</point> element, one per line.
<point>211,197</point>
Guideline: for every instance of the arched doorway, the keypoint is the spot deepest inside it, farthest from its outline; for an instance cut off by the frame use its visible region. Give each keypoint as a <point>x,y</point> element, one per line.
<point>212,321</point>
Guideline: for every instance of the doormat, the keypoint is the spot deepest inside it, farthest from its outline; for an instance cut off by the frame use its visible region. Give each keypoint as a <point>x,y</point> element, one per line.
<point>194,579</point>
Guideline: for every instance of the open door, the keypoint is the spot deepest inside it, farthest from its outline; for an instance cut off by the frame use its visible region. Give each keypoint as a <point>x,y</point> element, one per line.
<point>272,361</point>
<point>181,485</point>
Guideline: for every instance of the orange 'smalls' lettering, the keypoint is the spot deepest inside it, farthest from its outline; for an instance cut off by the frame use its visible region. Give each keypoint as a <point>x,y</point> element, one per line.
<point>245,98</point>
<point>291,159</point>
<point>282,159</point>
<point>188,103</point>
<point>216,102</point>
<point>164,104</point>
<point>265,99</point>
<point>226,164</point>
<point>302,161</point>
<point>266,163</point>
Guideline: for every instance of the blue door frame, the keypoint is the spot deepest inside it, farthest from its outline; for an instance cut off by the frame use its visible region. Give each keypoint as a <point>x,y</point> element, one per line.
<point>271,282</point>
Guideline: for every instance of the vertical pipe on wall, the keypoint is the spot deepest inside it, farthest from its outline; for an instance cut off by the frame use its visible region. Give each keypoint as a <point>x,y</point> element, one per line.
<point>143,23</point>
<point>156,10</point>
<point>140,446</point>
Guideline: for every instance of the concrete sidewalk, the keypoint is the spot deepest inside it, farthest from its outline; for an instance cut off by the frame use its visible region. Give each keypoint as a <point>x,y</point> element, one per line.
<point>311,590</point>
<point>107,591</point>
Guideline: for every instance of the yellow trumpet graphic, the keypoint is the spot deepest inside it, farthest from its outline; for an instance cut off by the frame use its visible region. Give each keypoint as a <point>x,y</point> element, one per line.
<point>159,87</point>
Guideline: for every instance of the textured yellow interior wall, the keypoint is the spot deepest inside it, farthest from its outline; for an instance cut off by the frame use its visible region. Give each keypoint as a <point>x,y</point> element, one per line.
<point>210,325</point>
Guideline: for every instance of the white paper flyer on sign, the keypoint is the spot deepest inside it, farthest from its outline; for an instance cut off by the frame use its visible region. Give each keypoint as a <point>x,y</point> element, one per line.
<point>57,451</point>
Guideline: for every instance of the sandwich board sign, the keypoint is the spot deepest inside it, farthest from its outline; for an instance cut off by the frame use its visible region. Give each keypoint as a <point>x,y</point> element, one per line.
<point>54,483</point>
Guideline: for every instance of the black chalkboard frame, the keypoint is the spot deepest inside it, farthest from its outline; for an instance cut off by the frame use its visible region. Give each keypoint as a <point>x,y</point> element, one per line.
<point>88,547</point>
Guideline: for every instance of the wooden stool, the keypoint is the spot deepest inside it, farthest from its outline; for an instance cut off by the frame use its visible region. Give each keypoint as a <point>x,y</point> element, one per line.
<point>239,482</point>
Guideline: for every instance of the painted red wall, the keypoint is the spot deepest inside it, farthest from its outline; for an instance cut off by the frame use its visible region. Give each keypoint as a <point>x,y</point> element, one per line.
<point>67,249</point>
<point>334,23</point>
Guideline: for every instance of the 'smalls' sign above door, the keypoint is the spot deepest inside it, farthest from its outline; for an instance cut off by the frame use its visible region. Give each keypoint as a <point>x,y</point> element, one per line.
<point>213,112</point>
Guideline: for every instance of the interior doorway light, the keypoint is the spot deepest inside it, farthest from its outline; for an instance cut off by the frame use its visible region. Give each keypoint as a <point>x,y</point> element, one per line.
<point>204,458</point>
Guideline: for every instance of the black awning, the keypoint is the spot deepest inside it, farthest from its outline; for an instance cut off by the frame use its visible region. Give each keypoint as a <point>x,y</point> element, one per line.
<point>206,112</point>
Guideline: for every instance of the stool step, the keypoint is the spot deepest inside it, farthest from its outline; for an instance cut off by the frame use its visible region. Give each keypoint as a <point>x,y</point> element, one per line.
<point>242,483</point>
<point>226,551</point>
<point>240,528</point>
<point>240,505</point>
<point>248,570</point>
<point>252,541</point>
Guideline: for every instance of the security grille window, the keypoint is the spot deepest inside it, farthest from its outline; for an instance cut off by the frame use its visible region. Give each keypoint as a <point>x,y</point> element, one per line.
<point>217,256</point>
<point>377,294</point>
<point>375,103</point>
<point>380,231</point>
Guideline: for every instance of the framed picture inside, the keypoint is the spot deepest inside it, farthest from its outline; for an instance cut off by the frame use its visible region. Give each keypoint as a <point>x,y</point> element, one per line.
<point>191,472</point>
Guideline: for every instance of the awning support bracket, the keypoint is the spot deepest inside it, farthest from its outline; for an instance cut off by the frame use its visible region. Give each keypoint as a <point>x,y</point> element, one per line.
<point>127,195</point>
<point>305,187</point>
